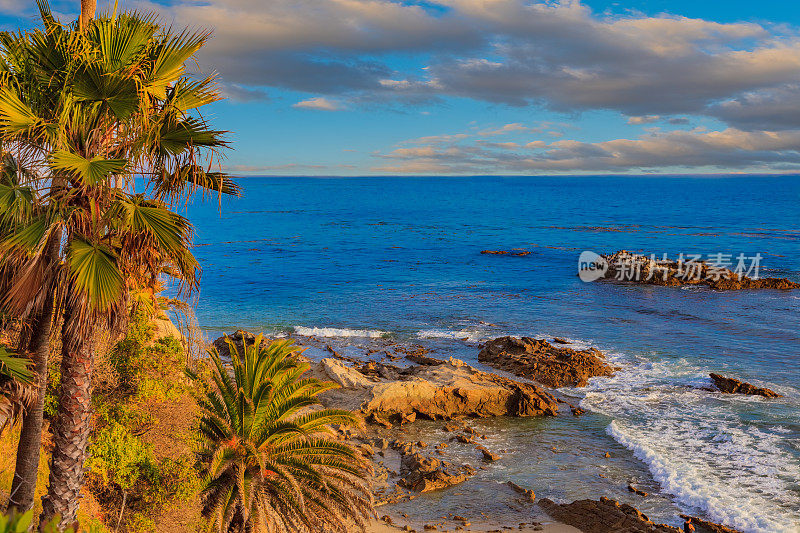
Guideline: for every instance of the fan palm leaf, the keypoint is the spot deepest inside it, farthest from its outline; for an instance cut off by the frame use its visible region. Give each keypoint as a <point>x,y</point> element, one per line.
<point>103,114</point>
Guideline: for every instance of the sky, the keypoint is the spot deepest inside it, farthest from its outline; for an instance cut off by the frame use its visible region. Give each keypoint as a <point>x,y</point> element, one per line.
<point>506,87</point>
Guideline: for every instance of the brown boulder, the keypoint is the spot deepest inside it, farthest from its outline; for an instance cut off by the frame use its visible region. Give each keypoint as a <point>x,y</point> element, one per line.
<point>734,386</point>
<point>452,389</point>
<point>538,360</point>
<point>239,338</point>
<point>488,456</point>
<point>603,516</point>
<point>424,474</point>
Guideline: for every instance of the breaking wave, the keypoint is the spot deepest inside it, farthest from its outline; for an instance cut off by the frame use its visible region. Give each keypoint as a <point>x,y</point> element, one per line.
<point>339,332</point>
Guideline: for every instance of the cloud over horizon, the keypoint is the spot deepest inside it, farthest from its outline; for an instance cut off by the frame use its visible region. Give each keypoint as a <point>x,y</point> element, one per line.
<point>661,73</point>
<point>729,149</point>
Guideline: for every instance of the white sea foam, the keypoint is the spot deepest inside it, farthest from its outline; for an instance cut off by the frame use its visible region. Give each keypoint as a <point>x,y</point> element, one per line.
<point>339,332</point>
<point>469,335</point>
<point>698,447</point>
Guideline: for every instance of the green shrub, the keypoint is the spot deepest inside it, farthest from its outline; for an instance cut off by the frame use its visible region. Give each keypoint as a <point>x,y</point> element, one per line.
<point>140,523</point>
<point>128,415</point>
<point>119,458</point>
<point>121,464</point>
<point>21,523</point>
<point>51,396</point>
<point>129,354</point>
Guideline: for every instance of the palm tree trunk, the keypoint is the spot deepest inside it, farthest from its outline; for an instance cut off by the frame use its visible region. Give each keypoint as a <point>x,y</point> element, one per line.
<point>23,486</point>
<point>88,8</point>
<point>73,424</point>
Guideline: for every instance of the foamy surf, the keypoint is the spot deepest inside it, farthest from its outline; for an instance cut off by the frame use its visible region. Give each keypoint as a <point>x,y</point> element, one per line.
<point>339,332</point>
<point>702,449</point>
<point>466,335</point>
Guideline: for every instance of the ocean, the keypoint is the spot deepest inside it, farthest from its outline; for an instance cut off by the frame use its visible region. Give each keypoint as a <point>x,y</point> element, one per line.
<point>362,260</point>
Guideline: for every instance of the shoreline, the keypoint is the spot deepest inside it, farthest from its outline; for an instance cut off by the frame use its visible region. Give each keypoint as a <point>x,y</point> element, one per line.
<point>390,444</point>
<point>379,526</point>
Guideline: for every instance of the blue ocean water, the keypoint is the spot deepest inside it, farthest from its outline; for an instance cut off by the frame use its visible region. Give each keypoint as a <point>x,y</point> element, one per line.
<point>353,259</point>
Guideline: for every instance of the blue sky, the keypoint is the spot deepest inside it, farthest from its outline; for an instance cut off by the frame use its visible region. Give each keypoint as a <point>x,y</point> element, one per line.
<point>375,87</point>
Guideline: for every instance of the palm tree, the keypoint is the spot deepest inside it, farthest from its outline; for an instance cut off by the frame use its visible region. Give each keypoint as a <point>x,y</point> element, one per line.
<point>87,12</point>
<point>17,206</point>
<point>91,109</point>
<point>270,461</point>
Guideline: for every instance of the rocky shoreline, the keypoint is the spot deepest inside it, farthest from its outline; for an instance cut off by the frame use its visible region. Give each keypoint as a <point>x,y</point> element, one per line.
<point>391,398</point>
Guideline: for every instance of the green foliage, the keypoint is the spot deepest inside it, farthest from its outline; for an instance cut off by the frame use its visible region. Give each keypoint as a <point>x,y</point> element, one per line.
<point>140,523</point>
<point>53,386</point>
<point>128,415</point>
<point>21,522</point>
<point>270,462</point>
<point>119,458</point>
<point>146,368</point>
<point>129,353</point>
<point>14,367</point>
<point>122,462</point>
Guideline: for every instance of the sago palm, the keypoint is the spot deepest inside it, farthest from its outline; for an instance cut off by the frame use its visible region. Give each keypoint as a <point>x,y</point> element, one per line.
<point>268,452</point>
<point>102,114</point>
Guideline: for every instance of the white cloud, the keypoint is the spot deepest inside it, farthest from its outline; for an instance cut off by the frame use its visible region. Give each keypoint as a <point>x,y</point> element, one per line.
<point>715,150</point>
<point>508,128</point>
<point>13,7</point>
<point>646,119</point>
<point>319,103</point>
<point>515,52</point>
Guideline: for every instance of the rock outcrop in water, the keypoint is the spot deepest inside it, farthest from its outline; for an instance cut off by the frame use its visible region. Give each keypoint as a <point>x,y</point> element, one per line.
<point>704,526</point>
<point>610,516</point>
<point>603,516</point>
<point>540,361</point>
<point>636,268</point>
<point>734,386</point>
<point>451,389</point>
<point>518,253</point>
<point>424,474</point>
<point>239,338</point>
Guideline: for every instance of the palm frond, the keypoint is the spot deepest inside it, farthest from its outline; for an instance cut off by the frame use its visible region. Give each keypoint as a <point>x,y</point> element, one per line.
<point>94,272</point>
<point>269,455</point>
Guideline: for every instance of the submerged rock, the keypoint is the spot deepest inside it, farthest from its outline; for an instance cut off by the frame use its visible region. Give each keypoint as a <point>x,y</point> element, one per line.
<point>518,253</point>
<point>538,360</point>
<point>704,526</point>
<point>734,386</point>
<point>452,389</point>
<point>636,268</point>
<point>525,493</point>
<point>634,490</point>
